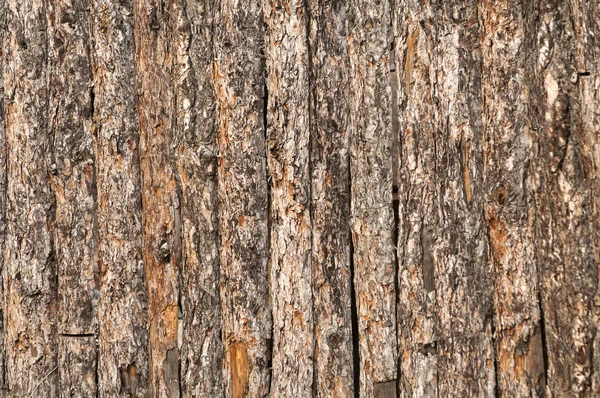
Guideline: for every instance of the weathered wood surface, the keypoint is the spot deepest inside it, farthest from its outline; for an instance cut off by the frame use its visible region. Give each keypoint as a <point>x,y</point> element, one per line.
<point>196,158</point>
<point>330,200</point>
<point>288,139</point>
<point>153,33</point>
<point>372,215</point>
<point>299,198</point>
<point>445,296</point>
<point>30,267</point>
<point>239,75</point>
<point>123,305</point>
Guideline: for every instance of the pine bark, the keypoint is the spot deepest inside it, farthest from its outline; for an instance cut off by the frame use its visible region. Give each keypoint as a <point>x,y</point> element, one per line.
<point>330,200</point>
<point>161,230</point>
<point>285,198</point>
<point>506,45</point>
<point>239,74</point>
<point>445,300</point>
<point>200,335</point>
<point>123,303</point>
<point>30,286</point>
<point>371,211</point>
<point>72,177</point>
<point>288,137</point>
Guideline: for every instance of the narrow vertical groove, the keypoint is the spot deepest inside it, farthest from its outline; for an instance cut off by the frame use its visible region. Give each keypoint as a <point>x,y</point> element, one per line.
<point>354,324</point>
<point>3,182</point>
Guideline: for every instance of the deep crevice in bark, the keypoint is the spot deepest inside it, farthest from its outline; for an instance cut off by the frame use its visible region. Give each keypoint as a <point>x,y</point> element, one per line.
<point>353,306</point>
<point>269,224</point>
<point>543,330</point>
<point>354,321</point>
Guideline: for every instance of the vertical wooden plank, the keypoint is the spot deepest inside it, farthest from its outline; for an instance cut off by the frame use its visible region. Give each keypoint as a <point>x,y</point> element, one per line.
<point>372,216</point>
<point>73,181</point>
<point>122,308</point>
<point>564,174</point>
<point>446,304</point>
<point>196,157</point>
<point>289,168</point>
<point>508,202</point>
<point>239,74</point>
<point>77,360</point>
<point>161,251</point>
<point>3,170</point>
<point>330,200</point>
<point>29,257</point>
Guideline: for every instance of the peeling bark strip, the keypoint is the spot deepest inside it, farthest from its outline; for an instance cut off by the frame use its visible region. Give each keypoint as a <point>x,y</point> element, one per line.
<point>289,167</point>
<point>73,181</point>
<point>445,288</point>
<point>122,310</point>
<point>196,155</point>
<point>29,258</point>
<point>506,41</point>
<point>239,75</point>
<point>161,250</point>
<point>3,170</point>
<point>372,216</point>
<point>566,218</point>
<point>330,199</point>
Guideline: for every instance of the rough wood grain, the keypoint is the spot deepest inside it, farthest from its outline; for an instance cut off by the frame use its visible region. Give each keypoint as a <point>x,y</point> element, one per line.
<point>122,308</point>
<point>3,169</point>
<point>196,158</point>
<point>506,42</point>
<point>77,361</point>
<point>239,73</point>
<point>30,286</point>
<point>563,175</point>
<point>445,304</point>
<point>372,216</point>
<point>72,178</point>
<point>289,168</point>
<point>153,24</point>
<point>330,200</point>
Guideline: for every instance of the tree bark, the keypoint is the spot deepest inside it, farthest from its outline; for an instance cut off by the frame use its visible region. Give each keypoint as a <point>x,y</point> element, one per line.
<point>287,60</point>
<point>239,73</point>
<point>161,230</point>
<point>281,198</point>
<point>445,305</point>
<point>196,159</point>
<point>72,177</point>
<point>123,305</point>
<point>30,286</point>
<point>371,212</point>
<point>330,200</point>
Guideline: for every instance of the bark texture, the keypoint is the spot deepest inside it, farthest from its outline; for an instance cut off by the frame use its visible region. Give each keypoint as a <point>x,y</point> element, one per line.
<point>372,215</point>
<point>196,154</point>
<point>281,198</point>
<point>444,284</point>
<point>243,197</point>
<point>287,61</point>
<point>330,200</point>
<point>30,272</point>
<point>123,305</point>
<point>160,235</point>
